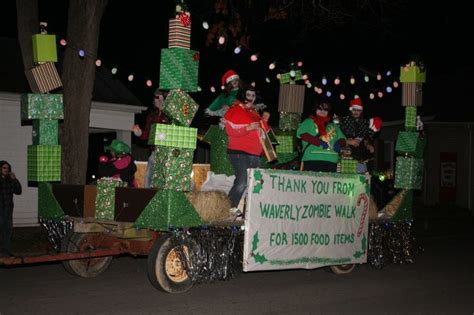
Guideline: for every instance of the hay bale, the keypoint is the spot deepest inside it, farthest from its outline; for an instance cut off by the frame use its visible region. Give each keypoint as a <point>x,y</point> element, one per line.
<point>211,205</point>
<point>373,209</point>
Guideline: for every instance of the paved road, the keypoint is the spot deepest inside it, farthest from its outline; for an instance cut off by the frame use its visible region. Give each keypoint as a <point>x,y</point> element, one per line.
<point>441,281</point>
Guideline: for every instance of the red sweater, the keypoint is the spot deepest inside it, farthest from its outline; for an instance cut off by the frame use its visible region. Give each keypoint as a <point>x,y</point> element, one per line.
<point>237,119</point>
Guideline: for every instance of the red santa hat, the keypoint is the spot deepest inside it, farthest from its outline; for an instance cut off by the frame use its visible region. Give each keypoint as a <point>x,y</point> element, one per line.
<point>375,123</point>
<point>229,76</point>
<point>356,104</point>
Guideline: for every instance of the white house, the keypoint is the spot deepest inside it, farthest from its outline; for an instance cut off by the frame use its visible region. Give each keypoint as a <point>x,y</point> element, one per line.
<point>14,139</point>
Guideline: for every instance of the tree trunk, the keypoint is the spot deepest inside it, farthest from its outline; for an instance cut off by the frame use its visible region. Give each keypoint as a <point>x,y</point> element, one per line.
<point>27,24</point>
<point>78,83</point>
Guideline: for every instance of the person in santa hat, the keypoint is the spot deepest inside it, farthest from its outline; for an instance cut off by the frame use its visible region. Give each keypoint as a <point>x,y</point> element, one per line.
<point>360,134</point>
<point>230,82</point>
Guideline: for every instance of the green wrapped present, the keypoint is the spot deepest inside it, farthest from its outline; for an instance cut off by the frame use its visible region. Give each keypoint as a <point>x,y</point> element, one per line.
<point>347,166</point>
<point>408,173</point>
<point>220,163</point>
<point>105,200</point>
<point>408,142</point>
<point>179,69</point>
<point>180,107</point>
<point>44,163</point>
<point>173,136</point>
<point>412,74</point>
<point>289,121</point>
<point>291,77</point>
<point>44,48</point>
<point>42,106</point>
<point>168,209</point>
<point>410,118</point>
<point>286,142</point>
<point>172,168</point>
<point>45,131</point>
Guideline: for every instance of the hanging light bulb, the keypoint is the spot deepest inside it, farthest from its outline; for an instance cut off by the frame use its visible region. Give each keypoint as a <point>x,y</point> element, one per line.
<point>205,25</point>
<point>379,76</point>
<point>324,81</point>
<point>308,85</point>
<point>356,96</point>
<point>213,89</point>
<point>305,77</point>
<point>388,73</point>
<point>380,94</point>
<point>149,83</point>
<point>267,79</point>
<point>82,53</point>
<point>130,77</point>
<point>352,80</point>
<point>328,93</point>
<point>199,89</point>
<point>221,40</point>
<point>98,63</point>
<point>271,66</point>
<point>237,50</point>
<point>342,96</point>
<point>300,64</point>
<point>63,42</point>
<point>292,73</point>
<point>388,89</point>
<point>395,84</point>
<point>114,70</point>
<point>337,81</point>
<point>254,57</point>
<point>366,78</point>
<point>371,96</point>
<point>253,83</point>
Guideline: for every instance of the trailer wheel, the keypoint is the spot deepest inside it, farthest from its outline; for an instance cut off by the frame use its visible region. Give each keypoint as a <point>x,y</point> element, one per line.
<point>342,269</point>
<point>87,267</point>
<point>165,269</point>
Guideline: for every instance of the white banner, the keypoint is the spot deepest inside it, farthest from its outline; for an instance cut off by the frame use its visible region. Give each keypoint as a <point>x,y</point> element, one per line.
<point>305,219</point>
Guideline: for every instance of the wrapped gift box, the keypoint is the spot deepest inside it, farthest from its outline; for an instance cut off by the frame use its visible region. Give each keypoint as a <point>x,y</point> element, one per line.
<point>173,136</point>
<point>105,200</point>
<point>412,74</point>
<point>286,143</point>
<point>168,209</point>
<point>43,78</point>
<point>179,69</point>
<point>410,118</point>
<point>412,94</point>
<point>289,121</point>
<point>217,138</point>
<point>287,78</point>
<point>408,173</point>
<point>347,166</point>
<point>180,107</point>
<point>44,48</point>
<point>42,106</point>
<point>172,168</point>
<point>44,163</point>
<point>408,142</point>
<point>291,98</point>
<point>45,131</point>
<point>179,35</point>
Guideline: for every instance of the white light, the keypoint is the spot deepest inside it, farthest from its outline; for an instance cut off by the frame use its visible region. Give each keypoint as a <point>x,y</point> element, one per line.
<point>278,76</point>
<point>271,66</point>
<point>253,57</point>
<point>356,96</point>
<point>199,89</point>
<point>213,89</point>
<point>328,93</point>
<point>388,89</point>
<point>366,78</point>
<point>253,83</point>
<point>395,84</point>
<point>221,40</point>
<point>324,81</point>
<point>371,96</point>
<point>342,96</point>
<point>292,73</point>
<point>267,79</point>
<point>353,81</point>
<point>237,50</point>
<point>388,73</point>
<point>98,62</point>
<point>205,25</point>
<point>114,70</point>
<point>93,176</point>
<point>309,85</point>
<point>130,77</point>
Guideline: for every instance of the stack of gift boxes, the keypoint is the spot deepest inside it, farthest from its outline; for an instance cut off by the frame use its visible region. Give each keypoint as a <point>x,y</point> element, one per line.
<point>410,146</point>
<point>44,110</point>
<point>290,107</point>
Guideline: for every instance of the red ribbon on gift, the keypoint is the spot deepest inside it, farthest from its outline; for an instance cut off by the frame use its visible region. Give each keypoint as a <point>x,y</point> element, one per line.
<point>185,18</point>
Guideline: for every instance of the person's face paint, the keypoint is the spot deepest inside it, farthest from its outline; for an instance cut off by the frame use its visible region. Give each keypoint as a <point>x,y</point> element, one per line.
<point>250,98</point>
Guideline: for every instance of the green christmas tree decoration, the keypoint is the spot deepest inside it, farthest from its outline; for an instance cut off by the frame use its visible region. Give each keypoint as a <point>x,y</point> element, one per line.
<point>217,139</point>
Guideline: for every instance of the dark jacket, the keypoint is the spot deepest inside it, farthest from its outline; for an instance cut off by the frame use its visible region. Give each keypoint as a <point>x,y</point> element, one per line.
<point>8,187</point>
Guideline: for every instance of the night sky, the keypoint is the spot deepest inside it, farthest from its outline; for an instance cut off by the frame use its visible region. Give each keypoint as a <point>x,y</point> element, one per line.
<point>132,34</point>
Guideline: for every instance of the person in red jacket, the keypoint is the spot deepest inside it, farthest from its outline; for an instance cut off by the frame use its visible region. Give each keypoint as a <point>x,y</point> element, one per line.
<point>243,128</point>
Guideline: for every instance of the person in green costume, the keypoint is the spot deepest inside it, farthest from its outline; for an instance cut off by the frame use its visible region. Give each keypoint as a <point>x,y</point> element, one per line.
<point>231,83</point>
<point>322,140</point>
